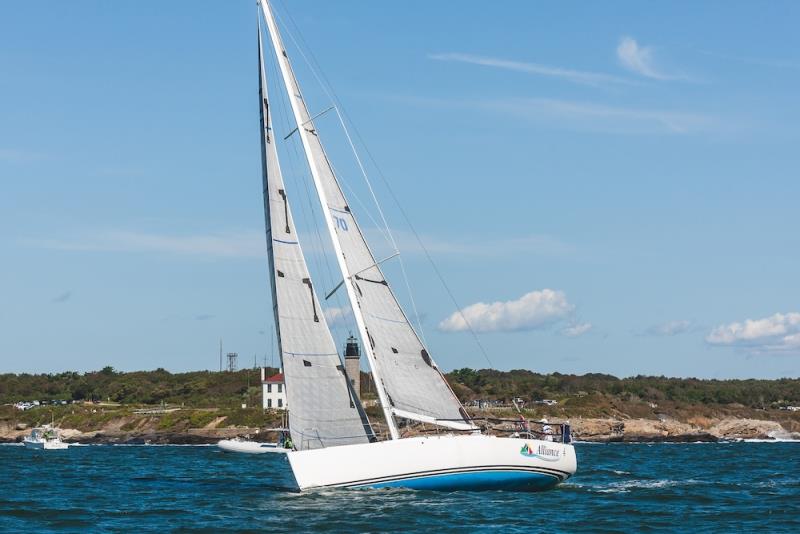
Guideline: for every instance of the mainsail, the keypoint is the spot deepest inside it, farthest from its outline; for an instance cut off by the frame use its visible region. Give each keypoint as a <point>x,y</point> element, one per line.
<point>408,381</point>
<point>323,411</point>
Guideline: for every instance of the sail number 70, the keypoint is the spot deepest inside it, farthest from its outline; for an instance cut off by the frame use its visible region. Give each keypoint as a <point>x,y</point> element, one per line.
<point>340,223</point>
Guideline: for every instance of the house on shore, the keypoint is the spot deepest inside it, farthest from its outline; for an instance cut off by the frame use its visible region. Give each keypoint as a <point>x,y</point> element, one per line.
<point>273,391</point>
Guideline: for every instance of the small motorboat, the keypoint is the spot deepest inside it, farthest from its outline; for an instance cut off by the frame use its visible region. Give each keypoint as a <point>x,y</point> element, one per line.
<point>252,447</point>
<point>45,437</point>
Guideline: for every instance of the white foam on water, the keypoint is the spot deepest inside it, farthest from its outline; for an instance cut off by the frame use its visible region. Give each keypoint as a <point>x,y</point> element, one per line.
<point>777,436</point>
<point>771,440</point>
<point>637,484</point>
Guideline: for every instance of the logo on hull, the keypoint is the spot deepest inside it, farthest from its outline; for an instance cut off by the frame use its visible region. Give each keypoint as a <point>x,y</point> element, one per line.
<point>542,452</point>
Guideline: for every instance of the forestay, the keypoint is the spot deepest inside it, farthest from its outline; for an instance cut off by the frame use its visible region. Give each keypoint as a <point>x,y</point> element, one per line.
<point>323,411</point>
<point>413,384</point>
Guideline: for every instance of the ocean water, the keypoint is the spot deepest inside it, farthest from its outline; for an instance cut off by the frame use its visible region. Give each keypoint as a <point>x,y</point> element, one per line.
<point>618,488</point>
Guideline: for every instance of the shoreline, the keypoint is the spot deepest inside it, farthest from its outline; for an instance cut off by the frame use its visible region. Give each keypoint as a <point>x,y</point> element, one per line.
<point>580,443</point>
<point>594,430</point>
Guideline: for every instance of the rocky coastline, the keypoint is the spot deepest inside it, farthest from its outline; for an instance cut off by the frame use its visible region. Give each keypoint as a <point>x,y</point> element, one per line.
<point>672,431</point>
<point>593,430</point>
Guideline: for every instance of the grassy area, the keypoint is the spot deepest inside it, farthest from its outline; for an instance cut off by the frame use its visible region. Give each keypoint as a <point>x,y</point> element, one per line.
<point>196,389</point>
<point>599,391</point>
<point>89,417</point>
<point>207,395</point>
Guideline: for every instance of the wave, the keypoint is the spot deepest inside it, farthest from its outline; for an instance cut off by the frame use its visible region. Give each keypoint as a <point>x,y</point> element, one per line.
<point>638,484</point>
<point>770,440</point>
<point>142,444</point>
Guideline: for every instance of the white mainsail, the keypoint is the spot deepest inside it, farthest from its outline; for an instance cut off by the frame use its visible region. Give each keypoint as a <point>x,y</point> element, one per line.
<point>408,381</point>
<point>323,411</point>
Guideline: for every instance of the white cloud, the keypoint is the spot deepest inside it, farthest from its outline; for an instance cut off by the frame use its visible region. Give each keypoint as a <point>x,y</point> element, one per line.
<point>590,116</point>
<point>576,330</point>
<point>585,116</point>
<point>15,155</point>
<point>242,244</point>
<point>252,244</point>
<point>575,76</point>
<point>670,328</point>
<point>777,333</point>
<point>639,59</point>
<point>539,244</point>
<point>338,316</point>
<point>778,63</point>
<point>533,310</point>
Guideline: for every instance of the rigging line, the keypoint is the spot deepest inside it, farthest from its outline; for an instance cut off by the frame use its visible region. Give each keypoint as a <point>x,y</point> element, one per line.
<point>351,192</point>
<point>322,85</point>
<point>272,336</point>
<point>273,322</point>
<point>306,122</point>
<point>345,322</point>
<point>366,179</point>
<point>326,85</point>
<point>293,161</point>
<point>340,110</point>
<point>459,309</point>
<point>344,128</point>
<point>293,164</point>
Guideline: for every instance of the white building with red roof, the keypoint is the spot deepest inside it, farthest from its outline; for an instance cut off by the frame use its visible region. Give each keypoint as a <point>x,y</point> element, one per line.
<point>273,391</point>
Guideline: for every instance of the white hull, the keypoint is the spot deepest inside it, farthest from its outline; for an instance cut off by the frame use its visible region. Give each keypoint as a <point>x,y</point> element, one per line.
<point>446,462</point>
<point>250,447</point>
<point>45,445</point>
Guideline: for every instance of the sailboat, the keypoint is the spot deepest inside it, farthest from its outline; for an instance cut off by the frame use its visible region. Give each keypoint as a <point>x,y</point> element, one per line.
<point>335,444</point>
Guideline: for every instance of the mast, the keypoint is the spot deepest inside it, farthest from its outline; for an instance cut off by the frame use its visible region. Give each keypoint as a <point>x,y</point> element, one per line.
<point>264,137</point>
<point>323,411</point>
<point>298,109</point>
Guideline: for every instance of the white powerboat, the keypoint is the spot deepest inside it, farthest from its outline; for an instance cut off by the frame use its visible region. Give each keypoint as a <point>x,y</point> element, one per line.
<point>250,447</point>
<point>44,437</point>
<point>334,444</point>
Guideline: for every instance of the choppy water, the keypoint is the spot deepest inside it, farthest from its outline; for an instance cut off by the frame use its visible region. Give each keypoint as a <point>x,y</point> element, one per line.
<point>691,487</point>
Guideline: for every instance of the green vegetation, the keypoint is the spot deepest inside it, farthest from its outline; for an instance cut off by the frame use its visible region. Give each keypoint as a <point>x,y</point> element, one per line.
<point>470,384</point>
<point>212,400</point>
<point>92,417</point>
<point>197,389</point>
<point>206,389</point>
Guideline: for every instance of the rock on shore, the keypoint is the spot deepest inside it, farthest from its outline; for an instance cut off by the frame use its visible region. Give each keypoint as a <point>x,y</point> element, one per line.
<point>649,430</point>
<point>606,430</point>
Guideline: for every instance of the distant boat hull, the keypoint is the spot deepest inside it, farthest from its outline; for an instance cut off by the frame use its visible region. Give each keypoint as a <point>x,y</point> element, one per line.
<point>250,447</point>
<point>443,463</point>
<point>45,445</point>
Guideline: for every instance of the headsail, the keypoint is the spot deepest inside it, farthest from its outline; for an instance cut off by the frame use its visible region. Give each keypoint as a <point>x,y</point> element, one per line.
<point>323,411</point>
<point>411,383</point>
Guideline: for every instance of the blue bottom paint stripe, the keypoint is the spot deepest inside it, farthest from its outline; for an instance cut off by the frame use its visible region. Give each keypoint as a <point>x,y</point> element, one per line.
<point>474,481</point>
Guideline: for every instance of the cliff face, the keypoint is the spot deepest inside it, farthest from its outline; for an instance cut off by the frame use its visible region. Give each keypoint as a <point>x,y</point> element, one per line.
<point>113,433</point>
<point>120,424</point>
<point>648,430</point>
<point>114,424</point>
<point>590,430</point>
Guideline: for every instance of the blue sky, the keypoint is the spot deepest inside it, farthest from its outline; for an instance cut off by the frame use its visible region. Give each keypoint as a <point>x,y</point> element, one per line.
<point>603,191</point>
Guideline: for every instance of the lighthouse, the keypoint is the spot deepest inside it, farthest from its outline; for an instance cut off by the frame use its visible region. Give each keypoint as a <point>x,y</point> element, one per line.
<point>352,364</point>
